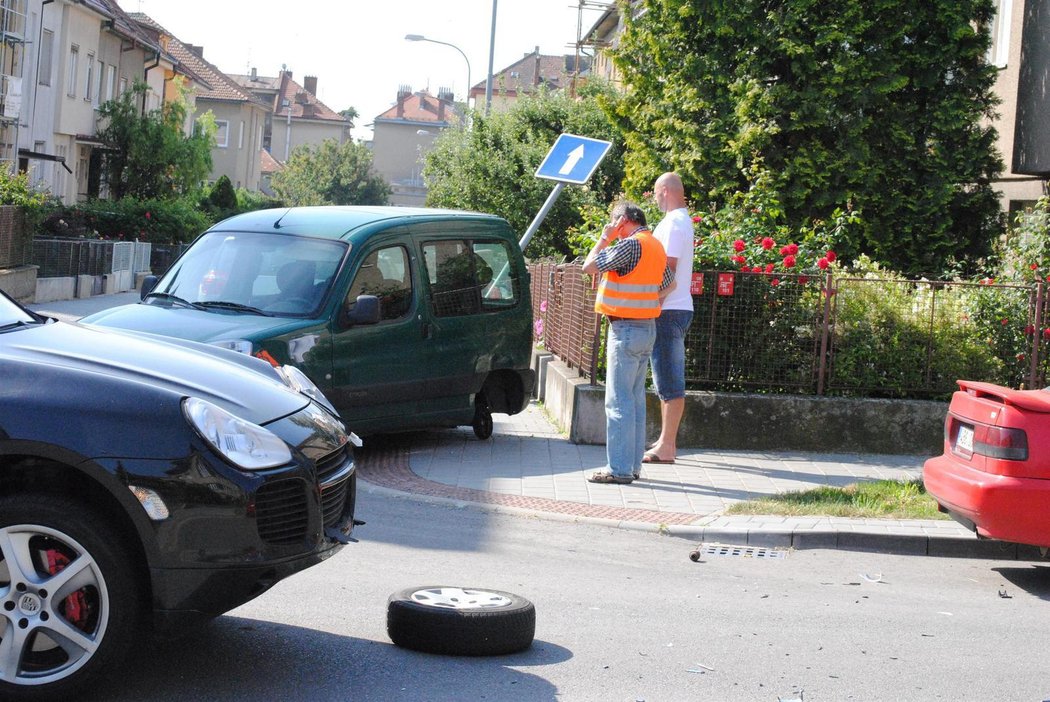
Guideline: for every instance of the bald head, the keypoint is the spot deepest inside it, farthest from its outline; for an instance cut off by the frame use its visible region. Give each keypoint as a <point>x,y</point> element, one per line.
<point>669,192</point>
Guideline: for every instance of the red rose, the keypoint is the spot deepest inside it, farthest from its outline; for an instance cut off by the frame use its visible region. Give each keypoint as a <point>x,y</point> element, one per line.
<point>822,264</point>
<point>147,214</point>
<point>1034,266</point>
<point>830,255</point>
<point>768,243</point>
<point>1004,321</point>
<point>697,218</point>
<point>789,261</point>
<point>769,268</point>
<point>739,245</point>
<point>793,249</point>
<point>738,259</point>
<point>803,279</point>
<point>1029,330</point>
<point>1046,333</point>
<point>1020,357</point>
<point>775,281</point>
<point>756,269</point>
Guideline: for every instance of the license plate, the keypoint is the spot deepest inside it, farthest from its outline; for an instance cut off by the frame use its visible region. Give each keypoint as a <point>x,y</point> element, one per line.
<point>964,439</point>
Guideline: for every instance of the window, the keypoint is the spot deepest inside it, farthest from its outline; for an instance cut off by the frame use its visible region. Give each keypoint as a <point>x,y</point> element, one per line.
<point>999,51</point>
<point>101,81</point>
<point>469,277</point>
<point>44,70</point>
<point>240,136</point>
<point>111,82</point>
<point>385,274</point>
<point>89,72</point>
<point>74,66</point>
<point>123,85</point>
<point>222,133</point>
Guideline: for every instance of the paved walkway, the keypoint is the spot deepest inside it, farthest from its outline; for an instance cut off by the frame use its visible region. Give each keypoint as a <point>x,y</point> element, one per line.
<point>530,467</point>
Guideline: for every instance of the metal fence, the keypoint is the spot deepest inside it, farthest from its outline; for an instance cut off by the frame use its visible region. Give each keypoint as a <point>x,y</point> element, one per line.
<point>15,242</point>
<point>59,257</point>
<point>786,333</point>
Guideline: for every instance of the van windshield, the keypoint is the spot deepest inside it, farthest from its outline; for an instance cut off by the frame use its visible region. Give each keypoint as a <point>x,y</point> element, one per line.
<point>253,272</point>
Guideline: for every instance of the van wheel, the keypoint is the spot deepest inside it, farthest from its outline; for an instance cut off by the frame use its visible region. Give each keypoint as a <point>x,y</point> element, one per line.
<point>482,423</point>
<point>460,621</point>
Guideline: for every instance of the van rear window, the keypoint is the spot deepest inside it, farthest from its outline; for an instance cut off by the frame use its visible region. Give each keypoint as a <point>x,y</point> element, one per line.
<point>469,277</point>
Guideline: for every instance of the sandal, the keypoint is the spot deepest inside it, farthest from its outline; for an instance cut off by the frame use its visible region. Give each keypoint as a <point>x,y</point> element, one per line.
<point>604,476</point>
<point>651,457</point>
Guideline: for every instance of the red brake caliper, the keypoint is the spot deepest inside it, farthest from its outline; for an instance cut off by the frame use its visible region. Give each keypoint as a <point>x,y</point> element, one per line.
<point>75,605</point>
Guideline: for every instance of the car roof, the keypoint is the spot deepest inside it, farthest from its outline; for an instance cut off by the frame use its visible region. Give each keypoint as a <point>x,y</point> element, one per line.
<point>339,222</point>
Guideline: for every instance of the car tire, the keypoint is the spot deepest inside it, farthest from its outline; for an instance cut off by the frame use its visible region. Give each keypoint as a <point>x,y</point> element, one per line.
<point>100,615</point>
<point>482,423</point>
<point>460,621</point>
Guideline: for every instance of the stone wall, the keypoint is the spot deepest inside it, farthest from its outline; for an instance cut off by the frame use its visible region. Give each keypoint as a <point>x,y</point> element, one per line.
<point>742,421</point>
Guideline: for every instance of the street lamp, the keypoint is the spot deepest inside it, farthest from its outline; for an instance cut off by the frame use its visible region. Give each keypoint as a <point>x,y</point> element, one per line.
<point>420,37</point>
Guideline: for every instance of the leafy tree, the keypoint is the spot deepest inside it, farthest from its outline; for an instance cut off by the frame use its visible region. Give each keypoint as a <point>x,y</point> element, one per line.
<point>148,156</point>
<point>331,174</point>
<point>882,103</point>
<point>489,167</point>
<point>350,113</point>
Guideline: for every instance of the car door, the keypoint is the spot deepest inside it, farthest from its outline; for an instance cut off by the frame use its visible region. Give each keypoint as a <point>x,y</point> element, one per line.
<point>378,370</point>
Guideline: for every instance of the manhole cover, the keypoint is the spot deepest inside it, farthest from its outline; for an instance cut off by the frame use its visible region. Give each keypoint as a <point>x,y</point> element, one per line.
<point>742,551</point>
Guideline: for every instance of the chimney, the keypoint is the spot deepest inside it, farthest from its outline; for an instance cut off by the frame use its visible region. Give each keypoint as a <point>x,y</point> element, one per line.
<point>403,93</point>
<point>255,75</point>
<point>310,83</point>
<point>537,78</point>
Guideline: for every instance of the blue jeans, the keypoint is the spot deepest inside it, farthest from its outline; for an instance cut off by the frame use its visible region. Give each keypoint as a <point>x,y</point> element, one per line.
<point>669,353</point>
<point>629,347</point>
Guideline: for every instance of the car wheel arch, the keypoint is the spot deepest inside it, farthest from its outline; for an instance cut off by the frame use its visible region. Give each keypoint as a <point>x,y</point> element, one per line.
<point>504,391</point>
<point>33,473</point>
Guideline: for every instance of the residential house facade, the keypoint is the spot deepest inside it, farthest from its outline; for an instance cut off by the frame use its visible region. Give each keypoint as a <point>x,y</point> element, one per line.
<point>240,117</point>
<point>296,116</point>
<point>533,72</point>
<point>404,134</point>
<point>1020,51</point>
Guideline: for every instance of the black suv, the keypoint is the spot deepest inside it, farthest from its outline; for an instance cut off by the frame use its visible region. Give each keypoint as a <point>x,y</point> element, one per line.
<point>148,481</point>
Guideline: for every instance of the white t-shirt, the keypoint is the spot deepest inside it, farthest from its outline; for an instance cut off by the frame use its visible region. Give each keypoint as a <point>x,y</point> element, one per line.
<point>675,232</point>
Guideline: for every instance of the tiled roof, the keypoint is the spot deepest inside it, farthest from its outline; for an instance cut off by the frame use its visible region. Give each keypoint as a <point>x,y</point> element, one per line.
<point>303,104</point>
<point>527,74</point>
<point>221,86</point>
<point>123,24</point>
<point>420,106</point>
<point>268,163</point>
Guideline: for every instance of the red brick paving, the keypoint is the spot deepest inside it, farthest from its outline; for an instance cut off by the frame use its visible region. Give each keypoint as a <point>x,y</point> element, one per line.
<point>388,467</point>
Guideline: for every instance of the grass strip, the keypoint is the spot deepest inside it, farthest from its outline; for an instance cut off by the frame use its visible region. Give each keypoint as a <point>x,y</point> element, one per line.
<point>888,499</point>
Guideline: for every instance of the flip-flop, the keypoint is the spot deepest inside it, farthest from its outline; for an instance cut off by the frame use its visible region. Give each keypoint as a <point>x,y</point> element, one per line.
<point>651,457</point>
<point>604,476</point>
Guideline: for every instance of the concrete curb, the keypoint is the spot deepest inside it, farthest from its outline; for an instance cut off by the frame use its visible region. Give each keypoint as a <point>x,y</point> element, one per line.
<point>785,537</point>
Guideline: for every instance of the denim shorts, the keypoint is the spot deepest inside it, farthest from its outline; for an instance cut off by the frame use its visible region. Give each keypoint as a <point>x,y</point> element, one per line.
<point>669,353</point>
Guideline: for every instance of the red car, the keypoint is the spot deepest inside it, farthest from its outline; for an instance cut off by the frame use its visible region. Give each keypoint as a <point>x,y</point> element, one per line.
<point>994,475</point>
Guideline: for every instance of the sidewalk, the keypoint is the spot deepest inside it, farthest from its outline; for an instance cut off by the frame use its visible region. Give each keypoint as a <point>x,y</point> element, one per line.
<point>529,467</point>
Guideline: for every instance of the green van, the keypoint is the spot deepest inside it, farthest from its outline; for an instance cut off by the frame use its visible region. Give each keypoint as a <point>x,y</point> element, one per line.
<point>404,318</point>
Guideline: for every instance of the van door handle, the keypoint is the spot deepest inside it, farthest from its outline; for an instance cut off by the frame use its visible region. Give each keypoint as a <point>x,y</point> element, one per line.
<point>426,329</point>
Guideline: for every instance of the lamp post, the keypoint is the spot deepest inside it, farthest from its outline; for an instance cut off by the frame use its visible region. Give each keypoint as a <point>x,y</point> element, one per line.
<point>420,37</point>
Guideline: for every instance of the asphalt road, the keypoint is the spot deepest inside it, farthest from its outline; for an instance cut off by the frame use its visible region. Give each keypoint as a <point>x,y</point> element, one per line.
<point>621,615</point>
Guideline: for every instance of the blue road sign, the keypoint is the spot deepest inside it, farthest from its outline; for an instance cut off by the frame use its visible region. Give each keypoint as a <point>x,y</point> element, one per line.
<point>573,159</point>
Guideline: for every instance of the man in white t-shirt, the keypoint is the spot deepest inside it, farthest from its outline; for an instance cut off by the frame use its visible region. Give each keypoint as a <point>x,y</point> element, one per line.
<point>675,232</point>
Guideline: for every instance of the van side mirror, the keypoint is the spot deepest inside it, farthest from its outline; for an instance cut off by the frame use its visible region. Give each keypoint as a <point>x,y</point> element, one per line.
<point>364,310</point>
<point>148,283</point>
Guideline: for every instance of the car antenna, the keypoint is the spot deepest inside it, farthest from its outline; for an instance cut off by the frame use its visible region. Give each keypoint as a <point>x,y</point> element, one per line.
<point>277,224</point>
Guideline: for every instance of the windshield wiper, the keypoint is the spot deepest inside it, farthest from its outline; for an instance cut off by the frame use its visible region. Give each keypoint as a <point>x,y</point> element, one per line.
<point>19,325</point>
<point>233,306</point>
<point>174,299</point>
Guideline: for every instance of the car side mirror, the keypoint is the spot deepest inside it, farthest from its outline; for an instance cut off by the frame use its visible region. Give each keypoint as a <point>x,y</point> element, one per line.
<point>364,310</point>
<point>148,283</point>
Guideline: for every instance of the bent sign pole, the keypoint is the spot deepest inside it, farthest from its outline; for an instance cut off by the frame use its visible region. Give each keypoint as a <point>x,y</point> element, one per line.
<point>572,160</point>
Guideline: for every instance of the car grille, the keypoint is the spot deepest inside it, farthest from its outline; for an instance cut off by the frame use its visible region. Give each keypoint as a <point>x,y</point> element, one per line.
<point>281,511</point>
<point>336,485</point>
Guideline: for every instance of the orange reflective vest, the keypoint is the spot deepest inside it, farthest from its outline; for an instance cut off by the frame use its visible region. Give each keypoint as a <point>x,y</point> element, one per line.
<point>637,294</point>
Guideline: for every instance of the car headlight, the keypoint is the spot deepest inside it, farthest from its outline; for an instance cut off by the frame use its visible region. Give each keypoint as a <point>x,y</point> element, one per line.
<point>239,345</point>
<point>242,443</point>
<point>297,380</point>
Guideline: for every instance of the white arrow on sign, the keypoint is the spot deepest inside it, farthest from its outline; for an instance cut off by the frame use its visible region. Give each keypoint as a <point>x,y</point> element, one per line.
<point>574,157</point>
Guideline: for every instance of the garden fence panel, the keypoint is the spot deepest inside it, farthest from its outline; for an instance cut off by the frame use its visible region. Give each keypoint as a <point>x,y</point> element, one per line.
<point>563,307</point>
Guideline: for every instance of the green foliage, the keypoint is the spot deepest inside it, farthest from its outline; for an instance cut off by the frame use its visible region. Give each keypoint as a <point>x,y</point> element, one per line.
<point>886,499</point>
<point>489,167</point>
<point>222,195</point>
<point>883,103</point>
<point>331,174</point>
<point>165,221</point>
<point>148,155</point>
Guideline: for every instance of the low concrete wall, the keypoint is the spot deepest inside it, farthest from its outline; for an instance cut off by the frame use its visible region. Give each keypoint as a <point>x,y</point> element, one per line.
<point>760,422</point>
<point>19,282</point>
<point>52,289</point>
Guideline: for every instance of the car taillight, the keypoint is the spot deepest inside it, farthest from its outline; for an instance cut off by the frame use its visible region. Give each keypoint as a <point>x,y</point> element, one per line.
<point>1000,442</point>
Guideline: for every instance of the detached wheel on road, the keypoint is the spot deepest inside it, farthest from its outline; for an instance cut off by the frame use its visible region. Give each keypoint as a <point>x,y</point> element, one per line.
<point>460,621</point>
<point>69,602</point>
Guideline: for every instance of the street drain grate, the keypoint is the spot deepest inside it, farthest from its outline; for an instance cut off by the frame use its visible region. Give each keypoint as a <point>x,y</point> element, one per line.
<point>742,551</point>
